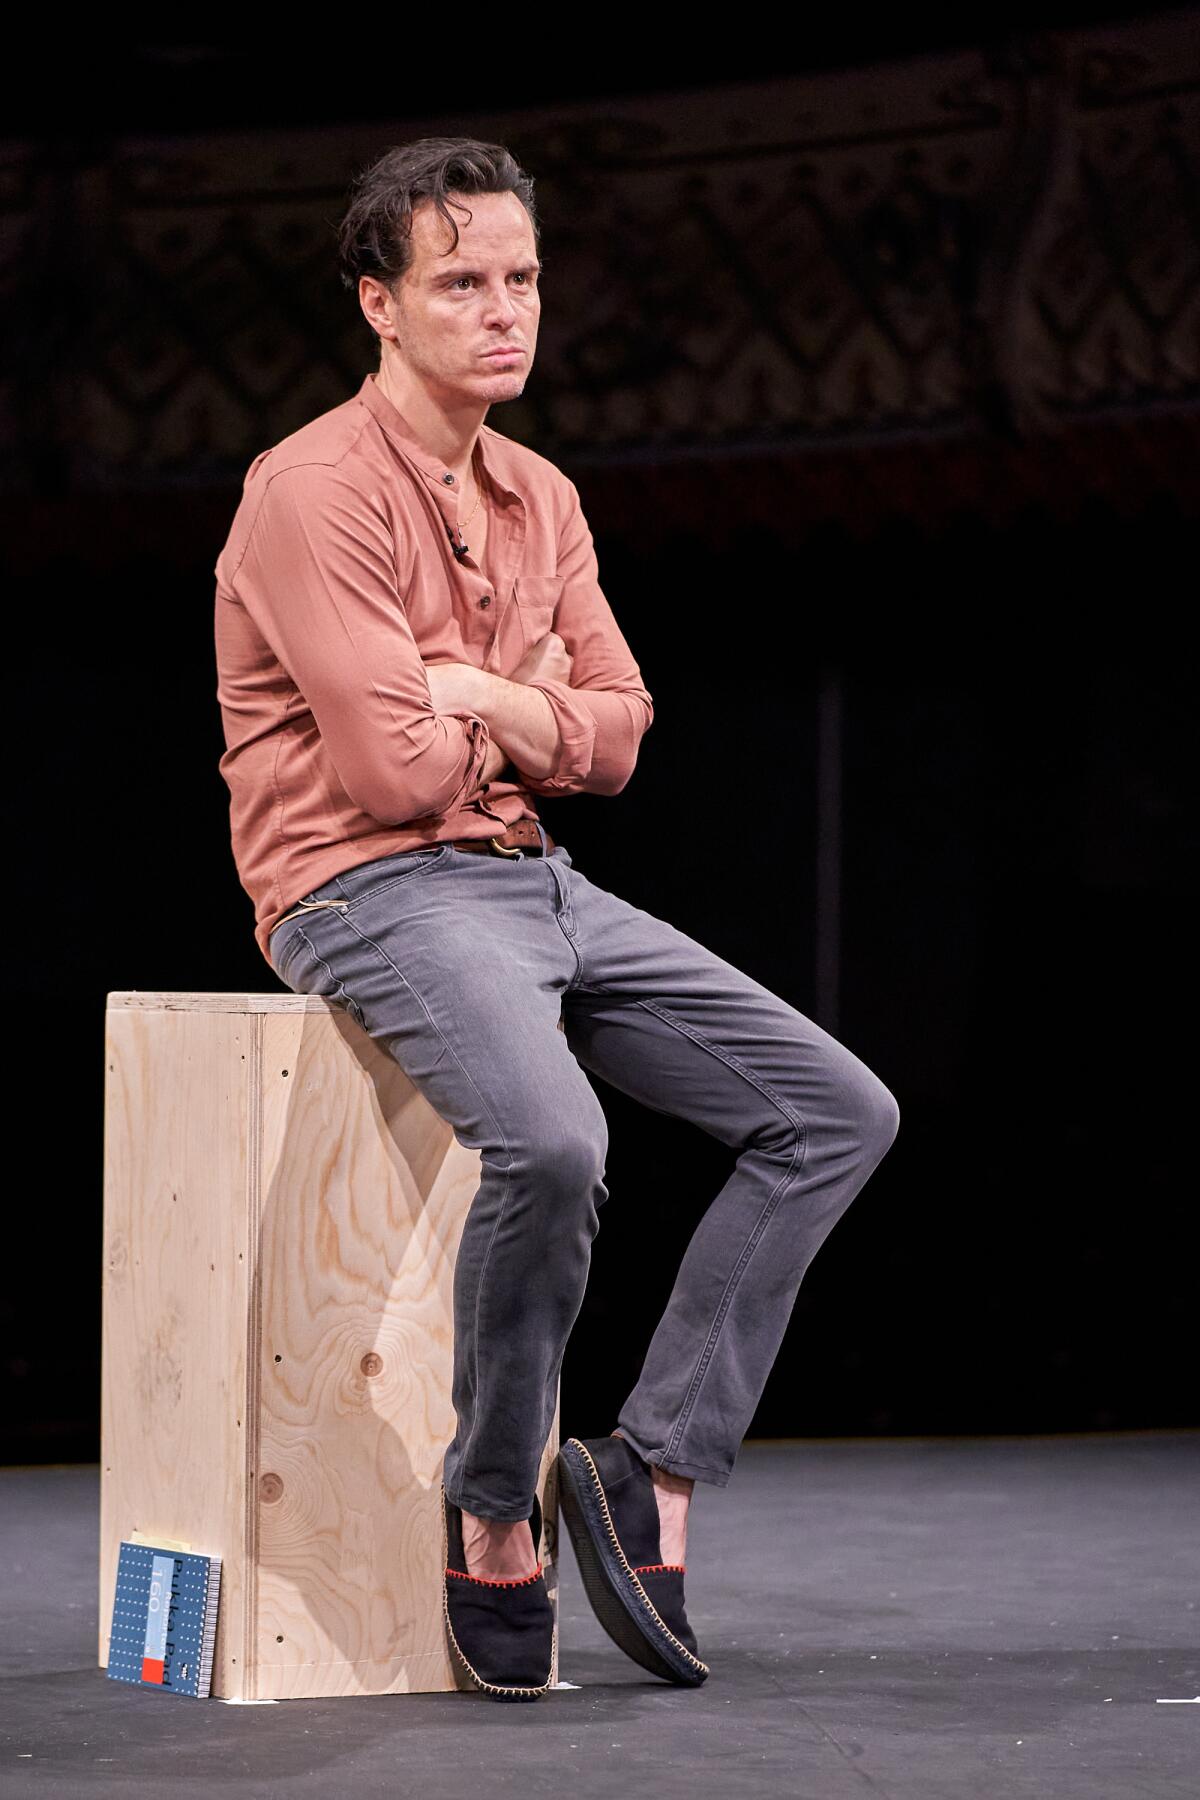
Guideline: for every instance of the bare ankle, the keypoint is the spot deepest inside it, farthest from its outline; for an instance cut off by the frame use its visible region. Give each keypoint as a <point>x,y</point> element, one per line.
<point>671,1483</point>
<point>665,1479</point>
<point>500,1548</point>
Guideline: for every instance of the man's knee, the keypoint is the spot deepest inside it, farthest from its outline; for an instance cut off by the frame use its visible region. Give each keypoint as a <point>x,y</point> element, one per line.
<point>879,1119</point>
<point>567,1160</point>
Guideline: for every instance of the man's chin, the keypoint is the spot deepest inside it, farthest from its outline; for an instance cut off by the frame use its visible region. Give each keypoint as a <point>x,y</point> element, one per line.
<point>505,387</point>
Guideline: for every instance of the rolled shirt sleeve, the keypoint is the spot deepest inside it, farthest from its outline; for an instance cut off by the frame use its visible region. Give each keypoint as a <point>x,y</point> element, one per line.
<point>605,710</point>
<point>318,578</point>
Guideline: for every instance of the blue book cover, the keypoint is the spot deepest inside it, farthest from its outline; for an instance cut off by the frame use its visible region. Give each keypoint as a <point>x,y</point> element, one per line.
<point>164,1618</point>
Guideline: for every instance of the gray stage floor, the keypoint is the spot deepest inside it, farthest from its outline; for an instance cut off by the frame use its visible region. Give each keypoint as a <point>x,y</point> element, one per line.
<point>884,1619</point>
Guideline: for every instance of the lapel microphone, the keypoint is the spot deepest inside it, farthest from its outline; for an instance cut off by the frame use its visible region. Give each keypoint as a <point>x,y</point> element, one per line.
<point>460,550</point>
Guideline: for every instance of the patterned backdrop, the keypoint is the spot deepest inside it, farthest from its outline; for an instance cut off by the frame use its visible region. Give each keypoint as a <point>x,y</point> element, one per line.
<point>997,247</point>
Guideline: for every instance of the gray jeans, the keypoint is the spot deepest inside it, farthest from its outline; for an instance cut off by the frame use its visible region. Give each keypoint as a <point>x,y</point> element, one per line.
<point>459,965</point>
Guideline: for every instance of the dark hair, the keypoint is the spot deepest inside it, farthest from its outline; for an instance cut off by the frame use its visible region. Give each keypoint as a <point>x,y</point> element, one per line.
<point>375,235</point>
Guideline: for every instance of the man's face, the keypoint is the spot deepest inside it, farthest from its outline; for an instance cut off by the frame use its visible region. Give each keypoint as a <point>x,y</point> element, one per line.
<point>451,310</point>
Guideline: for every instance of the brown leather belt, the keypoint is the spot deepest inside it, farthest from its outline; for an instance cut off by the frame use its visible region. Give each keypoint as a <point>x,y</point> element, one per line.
<point>523,835</point>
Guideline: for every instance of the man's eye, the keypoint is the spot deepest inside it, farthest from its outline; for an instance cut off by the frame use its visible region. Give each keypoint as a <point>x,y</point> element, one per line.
<point>517,272</point>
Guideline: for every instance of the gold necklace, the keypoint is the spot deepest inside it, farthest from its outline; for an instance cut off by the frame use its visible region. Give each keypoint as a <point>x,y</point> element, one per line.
<point>478,496</point>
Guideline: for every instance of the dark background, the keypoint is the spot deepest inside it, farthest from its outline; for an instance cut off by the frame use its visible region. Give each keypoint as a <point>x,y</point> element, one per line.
<point>987,605</point>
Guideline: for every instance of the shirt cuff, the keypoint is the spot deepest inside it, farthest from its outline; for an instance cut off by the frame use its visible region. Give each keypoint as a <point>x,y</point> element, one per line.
<point>478,737</point>
<point>577,732</point>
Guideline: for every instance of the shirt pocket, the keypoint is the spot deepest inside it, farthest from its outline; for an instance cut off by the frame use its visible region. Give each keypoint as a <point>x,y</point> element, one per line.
<point>537,599</point>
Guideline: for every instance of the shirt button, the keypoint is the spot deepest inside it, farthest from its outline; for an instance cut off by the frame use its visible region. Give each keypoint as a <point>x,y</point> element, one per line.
<point>448,478</point>
<point>486,601</point>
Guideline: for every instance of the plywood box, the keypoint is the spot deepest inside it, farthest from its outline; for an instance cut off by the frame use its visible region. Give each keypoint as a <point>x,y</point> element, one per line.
<point>282,1211</point>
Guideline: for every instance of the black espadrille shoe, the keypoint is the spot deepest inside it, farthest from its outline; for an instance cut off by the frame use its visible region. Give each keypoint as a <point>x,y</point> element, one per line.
<point>503,1629</point>
<point>606,1492</point>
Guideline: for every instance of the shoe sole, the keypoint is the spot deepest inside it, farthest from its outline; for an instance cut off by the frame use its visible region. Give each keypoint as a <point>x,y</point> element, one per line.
<point>491,1688</point>
<point>617,1597</point>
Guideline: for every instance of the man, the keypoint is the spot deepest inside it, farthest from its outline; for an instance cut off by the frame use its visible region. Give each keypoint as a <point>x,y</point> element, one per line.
<point>412,644</point>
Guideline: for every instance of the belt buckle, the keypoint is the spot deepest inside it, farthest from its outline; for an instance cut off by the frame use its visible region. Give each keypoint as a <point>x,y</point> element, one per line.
<point>502,849</point>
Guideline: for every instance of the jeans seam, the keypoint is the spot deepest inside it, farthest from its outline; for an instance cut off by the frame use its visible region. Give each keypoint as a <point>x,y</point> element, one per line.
<point>450,1050</point>
<point>289,945</point>
<point>761,1223</point>
<point>348,1002</point>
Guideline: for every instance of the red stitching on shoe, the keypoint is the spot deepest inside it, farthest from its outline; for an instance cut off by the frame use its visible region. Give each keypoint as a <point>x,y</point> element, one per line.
<point>495,1581</point>
<point>643,1567</point>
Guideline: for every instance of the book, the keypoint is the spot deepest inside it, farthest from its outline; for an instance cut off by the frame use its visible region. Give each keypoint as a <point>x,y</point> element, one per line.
<point>164,1617</point>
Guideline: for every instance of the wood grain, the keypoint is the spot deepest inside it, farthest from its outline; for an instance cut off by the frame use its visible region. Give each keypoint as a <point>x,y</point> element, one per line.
<point>282,1212</point>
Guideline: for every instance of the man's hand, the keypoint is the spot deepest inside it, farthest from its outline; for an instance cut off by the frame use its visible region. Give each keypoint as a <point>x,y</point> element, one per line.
<point>455,685</point>
<point>548,659</point>
<point>450,690</point>
<point>449,685</point>
<point>494,763</point>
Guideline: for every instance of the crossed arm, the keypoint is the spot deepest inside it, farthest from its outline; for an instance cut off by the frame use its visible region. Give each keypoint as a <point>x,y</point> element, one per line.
<point>520,719</point>
<point>407,739</point>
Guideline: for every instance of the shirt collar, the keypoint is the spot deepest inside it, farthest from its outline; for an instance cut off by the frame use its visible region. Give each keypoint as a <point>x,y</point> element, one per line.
<point>403,436</point>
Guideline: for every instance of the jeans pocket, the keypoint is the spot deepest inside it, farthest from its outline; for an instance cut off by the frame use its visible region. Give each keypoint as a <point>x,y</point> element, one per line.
<point>386,872</point>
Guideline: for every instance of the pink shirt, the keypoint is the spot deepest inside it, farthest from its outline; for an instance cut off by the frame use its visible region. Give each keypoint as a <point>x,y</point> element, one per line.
<point>337,583</point>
